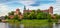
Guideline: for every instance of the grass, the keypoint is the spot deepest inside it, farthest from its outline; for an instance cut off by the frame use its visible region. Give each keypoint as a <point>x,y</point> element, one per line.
<point>35,22</point>
<point>30,22</point>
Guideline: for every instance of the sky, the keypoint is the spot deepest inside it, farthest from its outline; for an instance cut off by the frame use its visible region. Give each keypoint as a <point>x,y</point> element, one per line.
<point>11,5</point>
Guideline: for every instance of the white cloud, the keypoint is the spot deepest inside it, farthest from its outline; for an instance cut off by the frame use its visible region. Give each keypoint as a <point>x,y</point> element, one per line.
<point>3,9</point>
<point>46,6</point>
<point>27,2</point>
<point>42,7</point>
<point>57,7</point>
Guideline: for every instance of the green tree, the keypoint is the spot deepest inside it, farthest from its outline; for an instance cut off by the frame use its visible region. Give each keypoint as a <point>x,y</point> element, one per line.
<point>11,13</point>
<point>57,16</point>
<point>49,20</point>
<point>6,17</point>
<point>25,16</point>
<point>16,17</point>
<point>38,11</point>
<point>31,15</point>
<point>42,15</point>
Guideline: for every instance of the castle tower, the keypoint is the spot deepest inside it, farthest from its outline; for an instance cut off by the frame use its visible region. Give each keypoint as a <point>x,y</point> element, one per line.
<point>17,11</point>
<point>24,8</point>
<point>51,10</point>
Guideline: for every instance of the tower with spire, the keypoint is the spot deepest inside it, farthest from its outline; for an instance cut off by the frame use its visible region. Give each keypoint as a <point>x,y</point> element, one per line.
<point>24,7</point>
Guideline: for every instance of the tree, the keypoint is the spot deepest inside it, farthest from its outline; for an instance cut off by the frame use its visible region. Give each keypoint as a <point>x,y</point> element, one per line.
<point>41,15</point>
<point>38,11</point>
<point>37,15</point>
<point>16,17</point>
<point>11,13</point>
<point>6,17</point>
<point>31,15</point>
<point>25,16</point>
<point>57,16</point>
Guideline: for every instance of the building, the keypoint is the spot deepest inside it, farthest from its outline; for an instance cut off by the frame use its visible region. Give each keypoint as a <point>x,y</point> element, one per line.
<point>17,12</point>
<point>2,18</point>
<point>49,10</point>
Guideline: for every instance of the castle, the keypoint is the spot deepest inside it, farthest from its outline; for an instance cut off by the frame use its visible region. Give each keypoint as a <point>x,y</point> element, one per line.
<point>17,12</point>
<point>49,10</point>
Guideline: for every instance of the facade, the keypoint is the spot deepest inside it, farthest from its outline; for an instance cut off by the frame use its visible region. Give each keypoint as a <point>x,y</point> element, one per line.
<point>17,12</point>
<point>49,10</point>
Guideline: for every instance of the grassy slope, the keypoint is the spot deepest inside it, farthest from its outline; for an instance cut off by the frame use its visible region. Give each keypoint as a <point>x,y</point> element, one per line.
<point>31,22</point>
<point>35,22</point>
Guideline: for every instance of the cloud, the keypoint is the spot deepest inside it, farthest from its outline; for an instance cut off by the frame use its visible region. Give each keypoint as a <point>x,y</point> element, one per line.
<point>14,4</point>
<point>36,2</point>
<point>41,2</point>
<point>3,9</point>
<point>57,7</point>
<point>42,7</point>
<point>26,2</point>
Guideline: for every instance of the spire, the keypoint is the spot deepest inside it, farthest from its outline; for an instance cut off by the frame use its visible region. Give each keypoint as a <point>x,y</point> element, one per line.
<point>24,7</point>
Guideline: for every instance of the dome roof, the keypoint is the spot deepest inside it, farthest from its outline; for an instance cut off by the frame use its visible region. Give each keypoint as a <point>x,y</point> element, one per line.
<point>17,9</point>
<point>51,7</point>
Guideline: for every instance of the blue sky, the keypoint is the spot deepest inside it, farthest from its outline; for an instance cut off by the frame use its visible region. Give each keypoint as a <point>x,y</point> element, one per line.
<point>10,5</point>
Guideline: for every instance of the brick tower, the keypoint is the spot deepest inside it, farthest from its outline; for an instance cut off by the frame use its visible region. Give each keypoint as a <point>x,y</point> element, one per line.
<point>51,10</point>
<point>17,11</point>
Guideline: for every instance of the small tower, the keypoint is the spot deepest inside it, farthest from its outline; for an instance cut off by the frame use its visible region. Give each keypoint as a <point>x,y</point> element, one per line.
<point>51,10</point>
<point>17,11</point>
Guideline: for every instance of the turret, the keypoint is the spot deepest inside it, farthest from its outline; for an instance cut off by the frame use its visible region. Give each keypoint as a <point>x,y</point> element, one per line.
<point>51,10</point>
